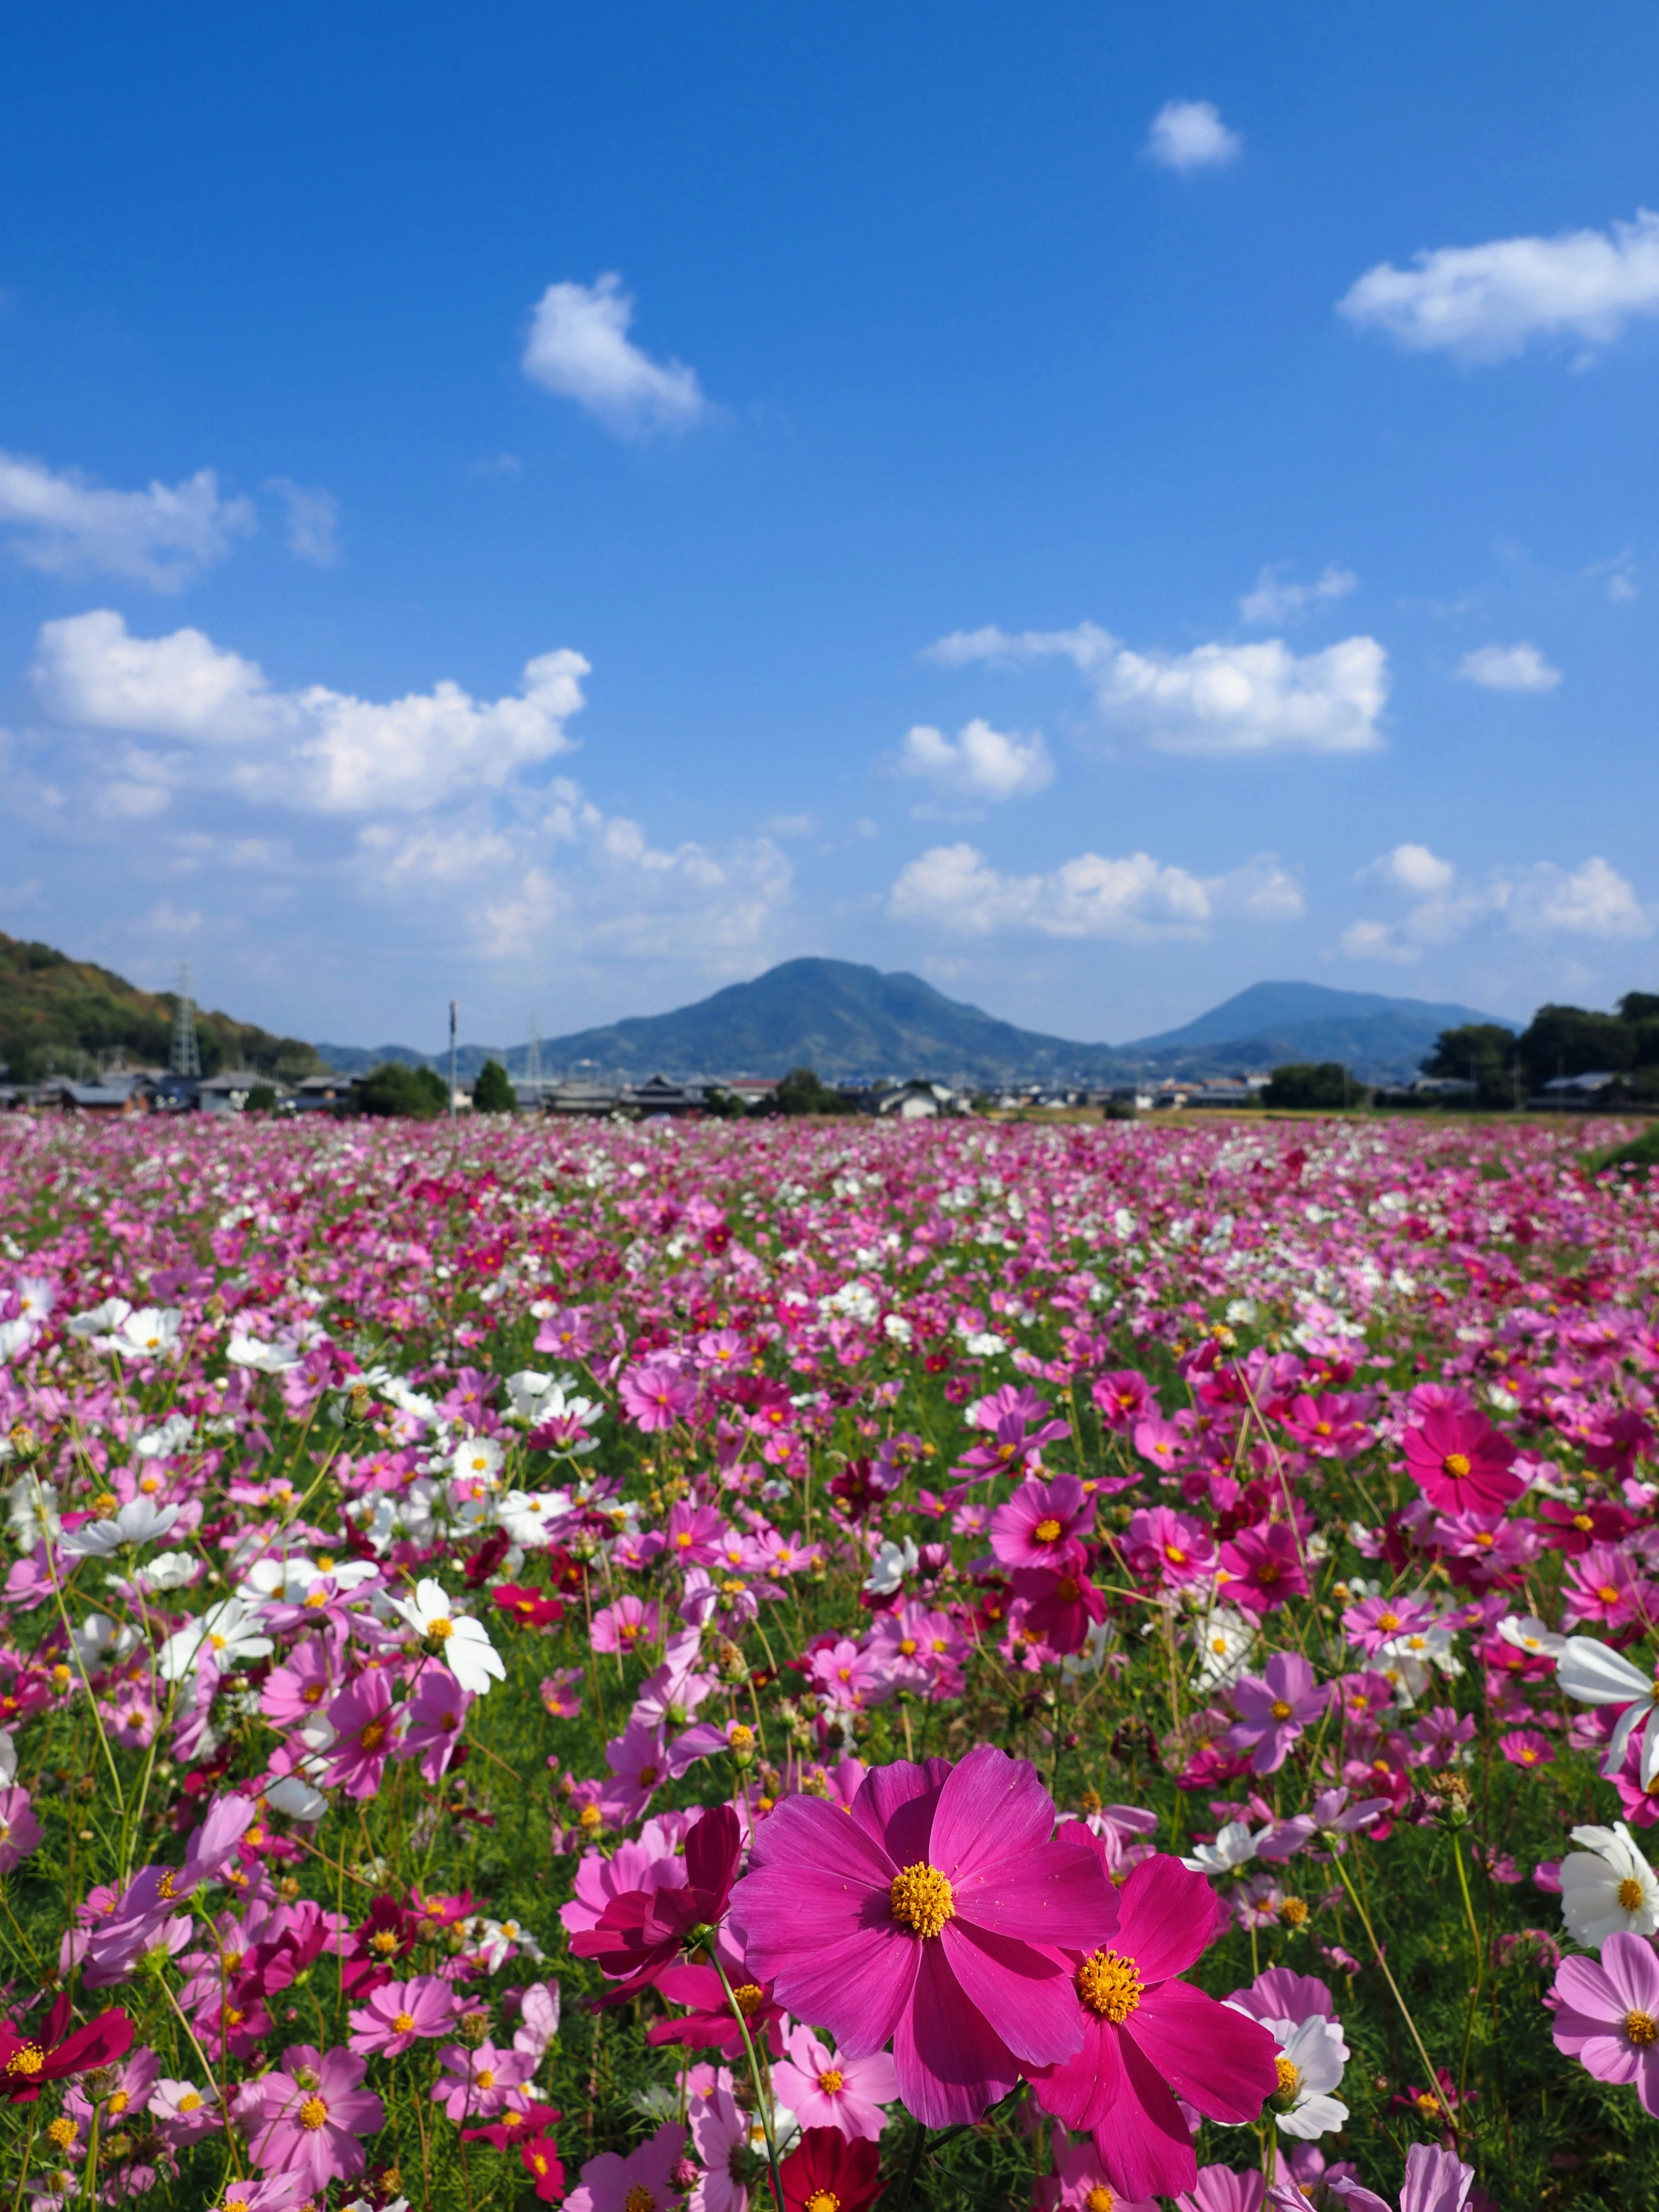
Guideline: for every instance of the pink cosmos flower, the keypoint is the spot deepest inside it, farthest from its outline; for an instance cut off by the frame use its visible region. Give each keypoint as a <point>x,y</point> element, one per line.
<point>562,1694</point>
<point>1079,2184</point>
<point>434,1719</point>
<point>1169,1545</point>
<point>919,1917</point>
<point>1527,1747</point>
<point>1377,1620</point>
<point>20,1832</point>
<point>1283,1994</point>
<point>1273,1708</point>
<point>1601,1585</point>
<point>1608,2015</point>
<point>1162,1442</point>
<point>1123,1397</point>
<point>476,2081</point>
<point>1459,1462</point>
<point>398,2014</point>
<point>1220,2189</point>
<point>315,2108</point>
<point>363,1720</point>
<point>695,1534</point>
<point>296,1689</point>
<point>655,1396</point>
<point>646,1863</point>
<point>641,2182</point>
<point>1149,2038</point>
<point>1264,1567</point>
<point>1059,1608</point>
<point>721,2133</point>
<point>824,2088</point>
<point>638,1763</point>
<point>1436,2181</point>
<point>1041,1523</point>
<point>625,1625</point>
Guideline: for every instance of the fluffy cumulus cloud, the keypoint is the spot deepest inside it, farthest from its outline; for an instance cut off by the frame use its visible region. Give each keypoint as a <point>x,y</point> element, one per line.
<point>1137,899</point>
<point>1222,700</point>
<point>1592,901</point>
<point>979,765</point>
<point>164,535</point>
<point>1509,668</point>
<point>1483,303</point>
<point>316,750</point>
<point>314,521</point>
<point>579,348</point>
<point>1276,600</point>
<point>1190,134</point>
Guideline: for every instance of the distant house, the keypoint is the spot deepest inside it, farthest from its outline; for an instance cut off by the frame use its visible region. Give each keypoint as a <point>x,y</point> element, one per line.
<point>317,1094</point>
<point>227,1093</point>
<point>586,1098</point>
<point>658,1095</point>
<point>117,1094</point>
<point>1595,1088</point>
<point>751,1089</point>
<point>917,1101</point>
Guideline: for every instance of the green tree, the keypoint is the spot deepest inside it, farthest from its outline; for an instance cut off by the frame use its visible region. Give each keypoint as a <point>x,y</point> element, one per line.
<point>492,1093</point>
<point>262,1099</point>
<point>420,1093</point>
<point>1324,1083</point>
<point>802,1091</point>
<point>1481,1053</point>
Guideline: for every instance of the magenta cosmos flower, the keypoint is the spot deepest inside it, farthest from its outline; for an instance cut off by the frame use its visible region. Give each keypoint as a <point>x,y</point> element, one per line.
<point>315,2109</point>
<point>1041,1524</point>
<point>1461,1463</point>
<point>1608,2015</point>
<point>1148,2038</point>
<point>918,1918</point>
<point>400,2013</point>
<point>1273,1708</point>
<point>641,2182</point>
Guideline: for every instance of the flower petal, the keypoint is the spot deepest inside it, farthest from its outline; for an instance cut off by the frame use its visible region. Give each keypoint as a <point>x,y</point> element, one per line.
<point>1214,2058</point>
<point>1029,1995</point>
<point>1054,1893</point>
<point>952,2065</point>
<point>1143,2140</point>
<point>895,1808</point>
<point>1166,1915</point>
<point>1630,1968</point>
<point>992,1807</point>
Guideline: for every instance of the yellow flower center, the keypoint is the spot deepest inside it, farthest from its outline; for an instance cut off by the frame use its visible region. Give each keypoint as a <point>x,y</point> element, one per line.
<point>404,2022</point>
<point>120,2100</point>
<point>1290,2077</point>
<point>1111,1985</point>
<point>1642,2028</point>
<point>749,1997</point>
<point>440,1628</point>
<point>1428,2104</point>
<point>1099,2199</point>
<point>1047,1531</point>
<point>1279,1709</point>
<point>1293,1911</point>
<point>190,2102</point>
<point>823,2200</point>
<point>485,2077</point>
<point>922,1899</point>
<point>383,1941</point>
<point>590,1817</point>
<point>1630,1894</point>
<point>28,2058</point>
<point>372,1737</point>
<point>62,2133</point>
<point>313,2112</point>
<point>830,2080</point>
<point>907,1645</point>
<point>1455,1465</point>
<point>742,1737</point>
<point>1388,1620</point>
<point>639,2199</point>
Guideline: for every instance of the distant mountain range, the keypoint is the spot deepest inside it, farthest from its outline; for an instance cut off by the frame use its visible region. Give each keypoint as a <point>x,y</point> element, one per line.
<point>851,1022</point>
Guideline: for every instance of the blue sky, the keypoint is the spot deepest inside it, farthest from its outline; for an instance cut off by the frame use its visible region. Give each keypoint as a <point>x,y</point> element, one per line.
<point>565,508</point>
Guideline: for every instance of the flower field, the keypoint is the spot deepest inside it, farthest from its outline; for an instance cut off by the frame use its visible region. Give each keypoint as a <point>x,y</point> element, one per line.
<point>719,1666</point>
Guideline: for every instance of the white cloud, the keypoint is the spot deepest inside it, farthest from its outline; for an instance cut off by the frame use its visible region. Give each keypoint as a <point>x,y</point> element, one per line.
<point>1135,899</point>
<point>314,521</point>
<point>1509,668</point>
<point>1621,573</point>
<point>1544,900</point>
<point>1217,699</point>
<point>624,897</point>
<point>1412,868</point>
<point>316,750</point>
<point>1482,303</point>
<point>1273,600</point>
<point>980,764</point>
<point>579,348</point>
<point>162,537</point>
<point>1190,134</point>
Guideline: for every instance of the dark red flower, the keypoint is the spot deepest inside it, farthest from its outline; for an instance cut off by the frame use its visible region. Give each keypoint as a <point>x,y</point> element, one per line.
<point>644,1930</point>
<point>515,2125</point>
<point>27,2060</point>
<point>1060,1605</point>
<point>530,1608</point>
<point>541,2162</point>
<point>825,2173</point>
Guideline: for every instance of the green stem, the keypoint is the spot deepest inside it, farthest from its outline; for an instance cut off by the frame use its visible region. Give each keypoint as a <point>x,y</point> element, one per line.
<point>1376,1953</point>
<point>763,2102</point>
<point>911,2166</point>
<point>1480,1971</point>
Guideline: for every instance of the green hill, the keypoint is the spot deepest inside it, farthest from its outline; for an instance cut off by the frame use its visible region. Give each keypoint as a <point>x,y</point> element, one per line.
<point>56,1015</point>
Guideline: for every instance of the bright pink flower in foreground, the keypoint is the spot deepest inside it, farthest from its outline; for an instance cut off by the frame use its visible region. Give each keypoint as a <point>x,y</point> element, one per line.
<point>825,2088</point>
<point>1080,2183</point>
<point>1264,1567</point>
<point>1461,1463</point>
<point>315,2108</point>
<point>627,1626</point>
<point>1608,2015</point>
<point>1527,1747</point>
<point>400,2013</point>
<point>919,1916</point>
<point>1041,1524</point>
<point>1148,2038</point>
<point>1273,1708</point>
<point>641,2182</point>
<point>362,1718</point>
<point>642,1930</point>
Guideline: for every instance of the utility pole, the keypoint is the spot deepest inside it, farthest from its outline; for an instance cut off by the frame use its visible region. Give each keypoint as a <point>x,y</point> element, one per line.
<point>453,1010</point>
<point>186,1055</point>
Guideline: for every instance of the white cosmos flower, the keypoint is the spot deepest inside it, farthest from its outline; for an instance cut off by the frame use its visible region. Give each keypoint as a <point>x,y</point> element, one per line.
<point>1527,1634</point>
<point>170,1570</point>
<point>1595,1675</point>
<point>1233,1847</point>
<point>295,1796</point>
<point>1405,1661</point>
<point>171,1437</point>
<point>139,1523</point>
<point>151,1332</point>
<point>892,1562</point>
<point>98,1321</point>
<point>1608,1887</point>
<point>478,1459</point>
<point>530,1517</point>
<point>268,1359</point>
<point>221,1637</point>
<point>1311,2058</point>
<point>468,1653</point>
<point>1223,1641</point>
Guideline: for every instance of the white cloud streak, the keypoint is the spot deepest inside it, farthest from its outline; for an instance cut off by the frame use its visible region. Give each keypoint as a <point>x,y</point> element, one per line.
<point>979,765</point>
<point>1485,303</point>
<point>579,348</point>
<point>313,522</point>
<point>1543,900</point>
<point>1220,700</point>
<point>1190,134</point>
<point>1508,668</point>
<point>163,536</point>
<point>1275,600</point>
<point>1135,899</point>
<point>317,750</point>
